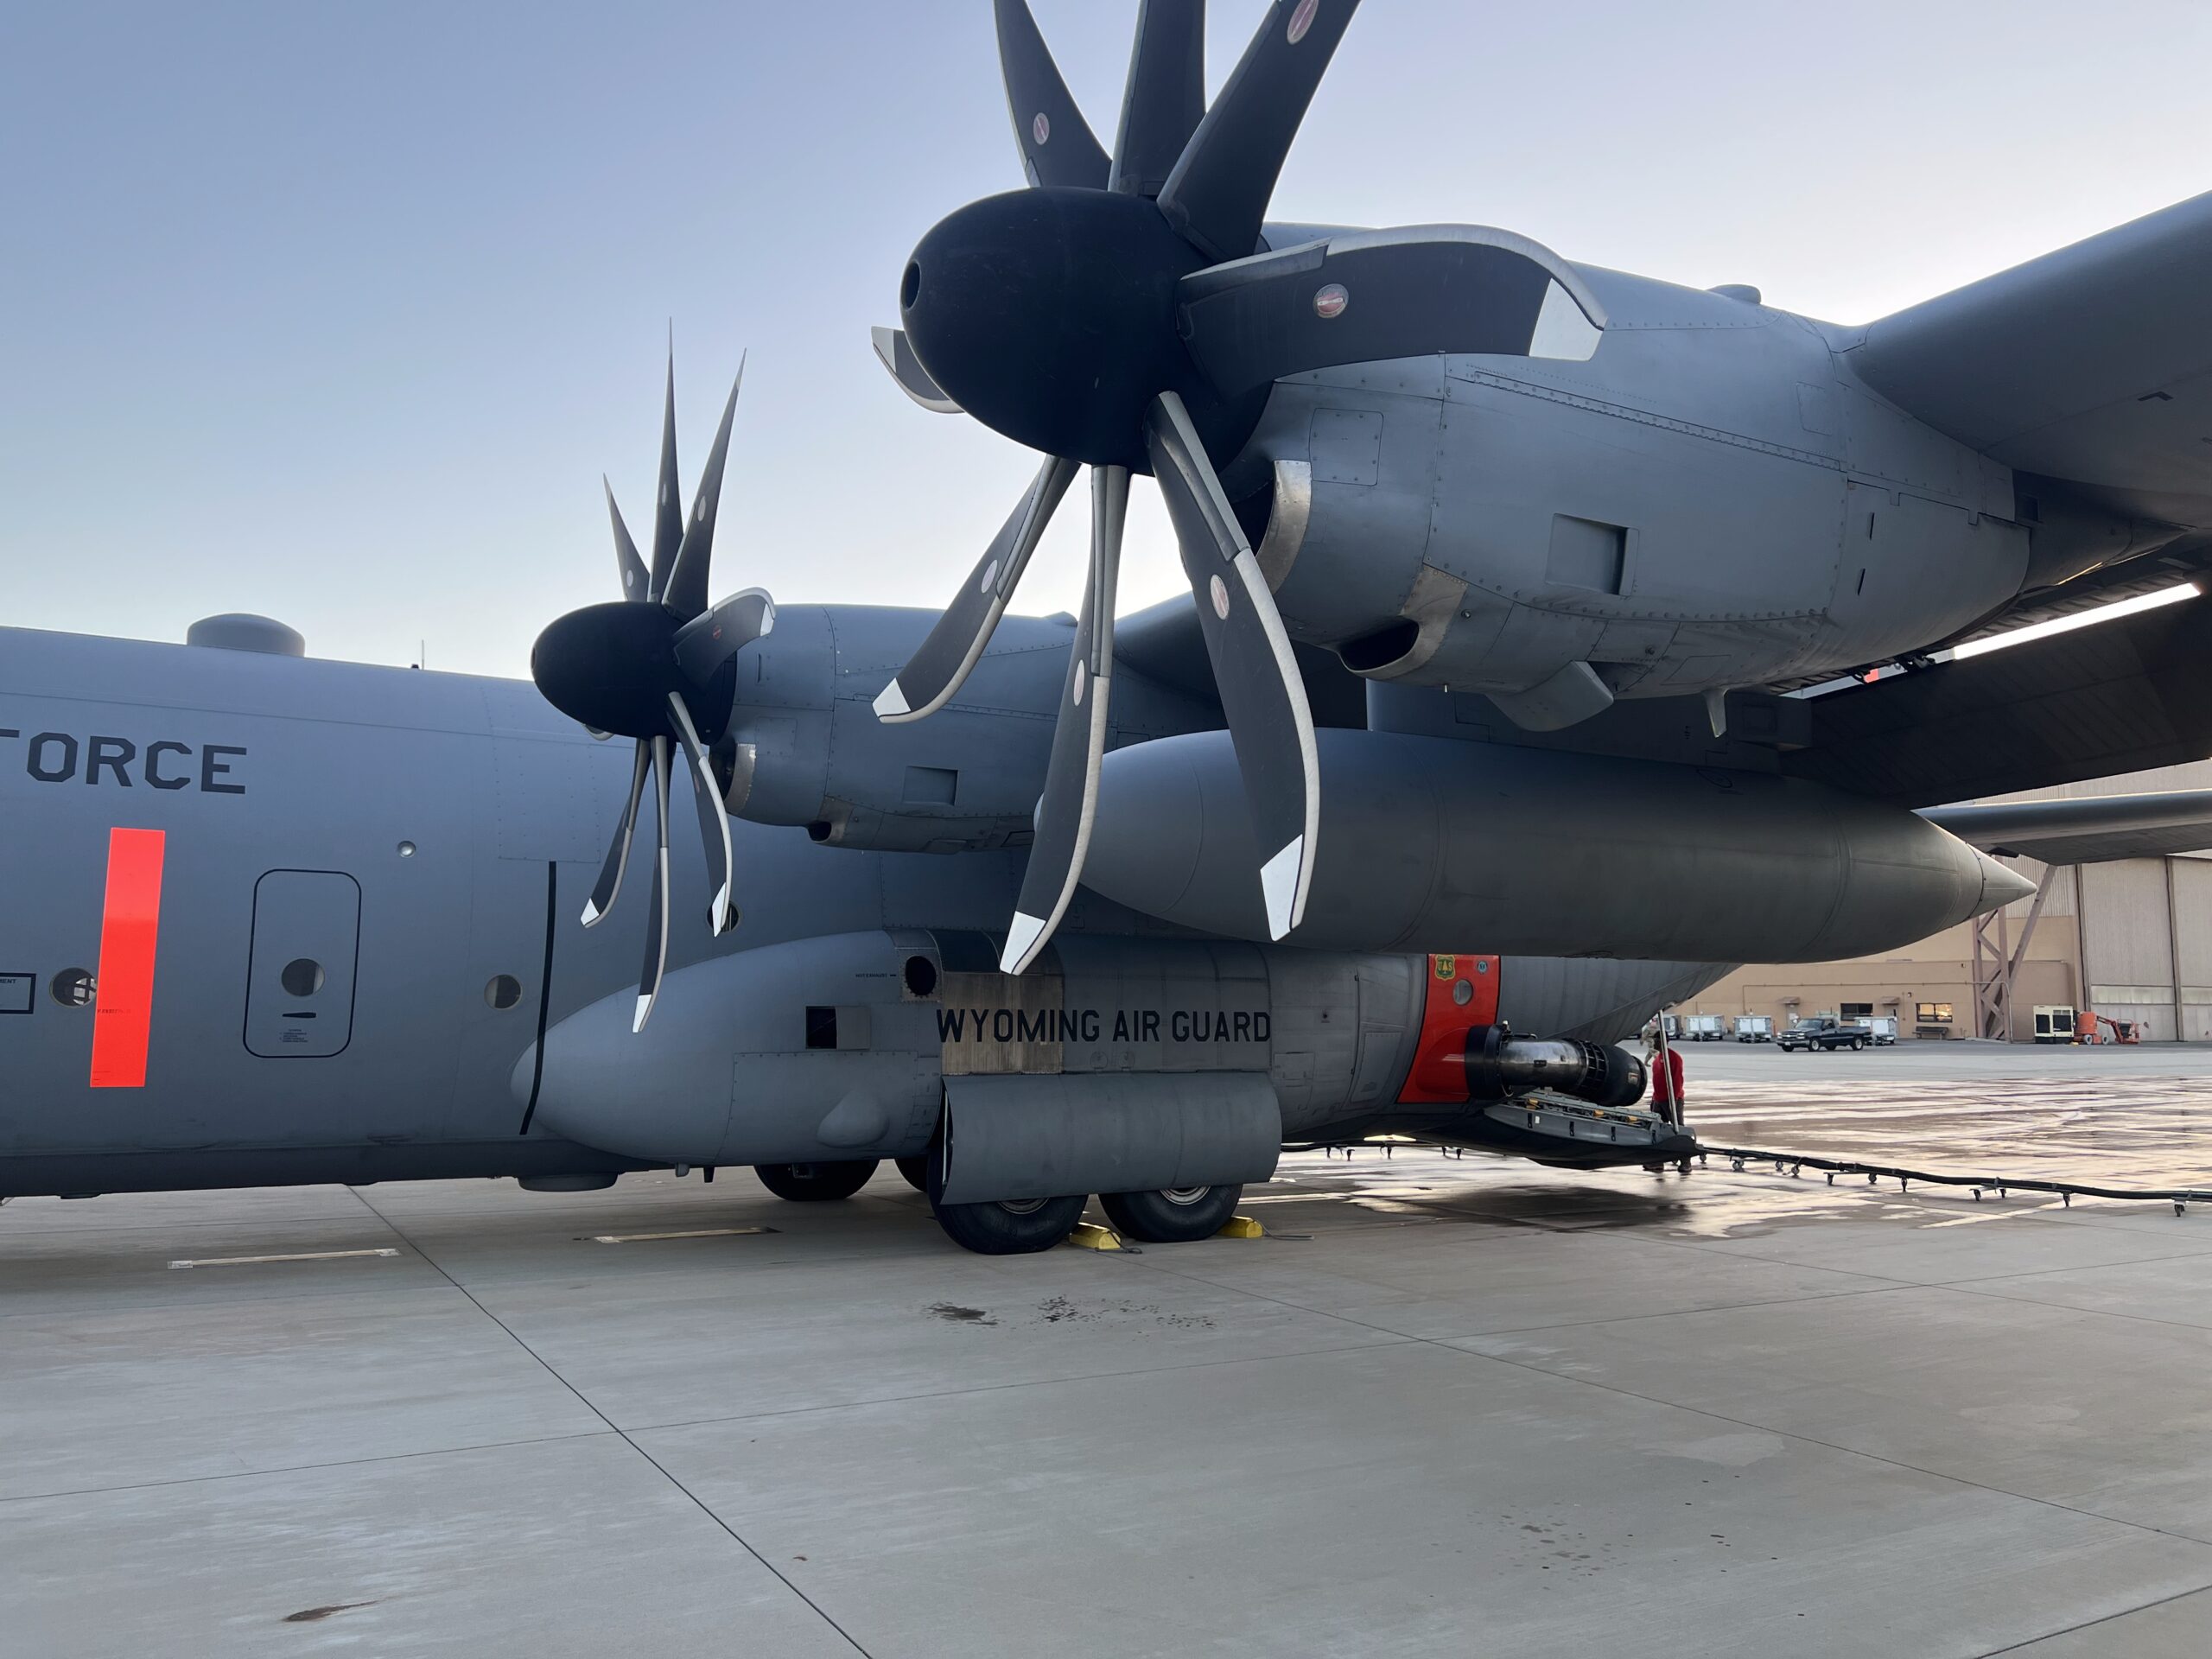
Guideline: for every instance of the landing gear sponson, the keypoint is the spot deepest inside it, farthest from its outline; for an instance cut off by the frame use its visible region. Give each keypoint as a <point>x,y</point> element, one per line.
<point>1164,1075</point>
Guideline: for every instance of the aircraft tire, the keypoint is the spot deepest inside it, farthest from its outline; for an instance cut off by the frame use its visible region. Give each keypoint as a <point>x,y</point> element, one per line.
<point>915,1171</point>
<point>1180,1216</point>
<point>1018,1227</point>
<point>816,1183</point>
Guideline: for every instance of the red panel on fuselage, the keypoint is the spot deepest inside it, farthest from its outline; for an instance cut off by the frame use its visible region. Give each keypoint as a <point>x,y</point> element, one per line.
<point>130,921</point>
<point>1462,994</point>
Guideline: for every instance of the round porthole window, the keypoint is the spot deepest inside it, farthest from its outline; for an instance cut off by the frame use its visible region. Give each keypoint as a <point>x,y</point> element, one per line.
<point>503,992</point>
<point>920,976</point>
<point>73,988</point>
<point>302,976</point>
<point>1464,992</point>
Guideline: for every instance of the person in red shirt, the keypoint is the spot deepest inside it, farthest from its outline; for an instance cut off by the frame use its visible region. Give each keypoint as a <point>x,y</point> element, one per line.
<point>1666,1077</point>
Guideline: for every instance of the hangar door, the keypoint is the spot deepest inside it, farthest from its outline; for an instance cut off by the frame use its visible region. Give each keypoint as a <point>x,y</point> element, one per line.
<point>299,996</point>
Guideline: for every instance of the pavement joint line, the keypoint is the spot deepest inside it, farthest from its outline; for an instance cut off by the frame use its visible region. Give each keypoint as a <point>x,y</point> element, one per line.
<point>1969,1288</point>
<point>1445,1343</point>
<point>703,1509</point>
<point>1567,1324</point>
<point>1397,1340</point>
<point>2092,1623</point>
<point>1813,1439</point>
<point>301,1468</point>
<point>1620,1318</point>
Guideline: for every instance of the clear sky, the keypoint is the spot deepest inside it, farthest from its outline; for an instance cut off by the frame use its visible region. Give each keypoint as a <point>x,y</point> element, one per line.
<point>338,312</point>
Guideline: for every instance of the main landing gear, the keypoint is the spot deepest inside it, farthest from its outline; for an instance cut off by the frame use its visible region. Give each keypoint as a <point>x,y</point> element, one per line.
<point>1017,1226</point>
<point>1180,1215</point>
<point>1011,1227</point>
<point>816,1183</point>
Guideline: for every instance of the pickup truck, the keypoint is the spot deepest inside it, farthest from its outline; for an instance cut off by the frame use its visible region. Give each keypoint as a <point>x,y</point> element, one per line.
<point>1822,1033</point>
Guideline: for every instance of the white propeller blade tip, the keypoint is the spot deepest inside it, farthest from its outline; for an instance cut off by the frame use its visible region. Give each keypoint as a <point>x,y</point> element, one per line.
<point>645,1008</point>
<point>1021,942</point>
<point>592,912</point>
<point>891,703</point>
<point>1279,886</point>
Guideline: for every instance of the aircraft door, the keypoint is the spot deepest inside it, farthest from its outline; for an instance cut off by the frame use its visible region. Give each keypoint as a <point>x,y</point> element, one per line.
<point>299,1002</point>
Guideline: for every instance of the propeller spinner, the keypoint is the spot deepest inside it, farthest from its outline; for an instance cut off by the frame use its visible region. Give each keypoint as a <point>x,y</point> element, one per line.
<point>1125,312</point>
<point>657,665</point>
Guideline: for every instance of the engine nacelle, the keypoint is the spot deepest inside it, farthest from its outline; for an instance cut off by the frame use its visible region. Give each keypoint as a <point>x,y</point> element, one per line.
<point>1425,841</point>
<point>805,747</point>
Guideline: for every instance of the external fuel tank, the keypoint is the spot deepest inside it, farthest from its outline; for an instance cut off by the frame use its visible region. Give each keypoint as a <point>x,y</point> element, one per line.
<point>1425,841</point>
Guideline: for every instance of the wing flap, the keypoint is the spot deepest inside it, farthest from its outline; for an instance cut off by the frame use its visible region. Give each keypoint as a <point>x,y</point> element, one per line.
<point>2120,696</point>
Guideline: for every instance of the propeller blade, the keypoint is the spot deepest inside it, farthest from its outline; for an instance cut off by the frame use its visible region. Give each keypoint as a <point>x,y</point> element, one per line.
<point>705,643</point>
<point>1219,192</point>
<point>1269,722</point>
<point>714,820</point>
<point>1070,798</point>
<point>943,663</point>
<point>1377,294</point>
<point>1166,97</point>
<point>657,911</point>
<point>668,502</point>
<point>1058,146</point>
<point>627,564</point>
<point>617,850</point>
<point>686,593</point>
<point>898,356</point>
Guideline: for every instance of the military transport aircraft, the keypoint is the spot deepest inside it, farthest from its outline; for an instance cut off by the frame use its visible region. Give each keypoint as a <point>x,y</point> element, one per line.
<point>1545,660</point>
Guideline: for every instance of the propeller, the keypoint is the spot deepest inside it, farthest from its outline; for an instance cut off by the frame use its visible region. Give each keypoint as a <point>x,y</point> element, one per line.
<point>1125,312</point>
<point>659,665</point>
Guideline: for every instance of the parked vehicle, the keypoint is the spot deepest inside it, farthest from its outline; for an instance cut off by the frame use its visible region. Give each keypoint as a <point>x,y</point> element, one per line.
<point>2055,1023</point>
<point>1754,1028</point>
<point>1702,1028</point>
<point>1883,1028</point>
<point>1822,1032</point>
<point>2102,1028</point>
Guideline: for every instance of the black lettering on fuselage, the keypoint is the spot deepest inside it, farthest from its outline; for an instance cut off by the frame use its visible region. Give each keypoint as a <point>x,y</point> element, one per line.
<point>210,769</point>
<point>46,772</point>
<point>1150,1021</point>
<point>951,1024</point>
<point>154,753</point>
<point>1088,1026</point>
<point>1003,1026</point>
<point>51,756</point>
<point>114,753</point>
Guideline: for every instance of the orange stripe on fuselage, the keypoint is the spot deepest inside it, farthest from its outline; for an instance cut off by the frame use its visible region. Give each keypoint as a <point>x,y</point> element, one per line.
<point>130,925</point>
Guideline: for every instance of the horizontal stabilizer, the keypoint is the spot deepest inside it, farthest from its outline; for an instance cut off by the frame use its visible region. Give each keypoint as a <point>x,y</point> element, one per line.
<point>2093,364</point>
<point>2117,696</point>
<point>2093,830</point>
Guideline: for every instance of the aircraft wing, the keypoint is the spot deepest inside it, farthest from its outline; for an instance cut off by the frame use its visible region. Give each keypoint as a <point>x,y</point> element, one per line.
<point>1162,642</point>
<point>2087,831</point>
<point>2092,364</point>
<point>2123,696</point>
